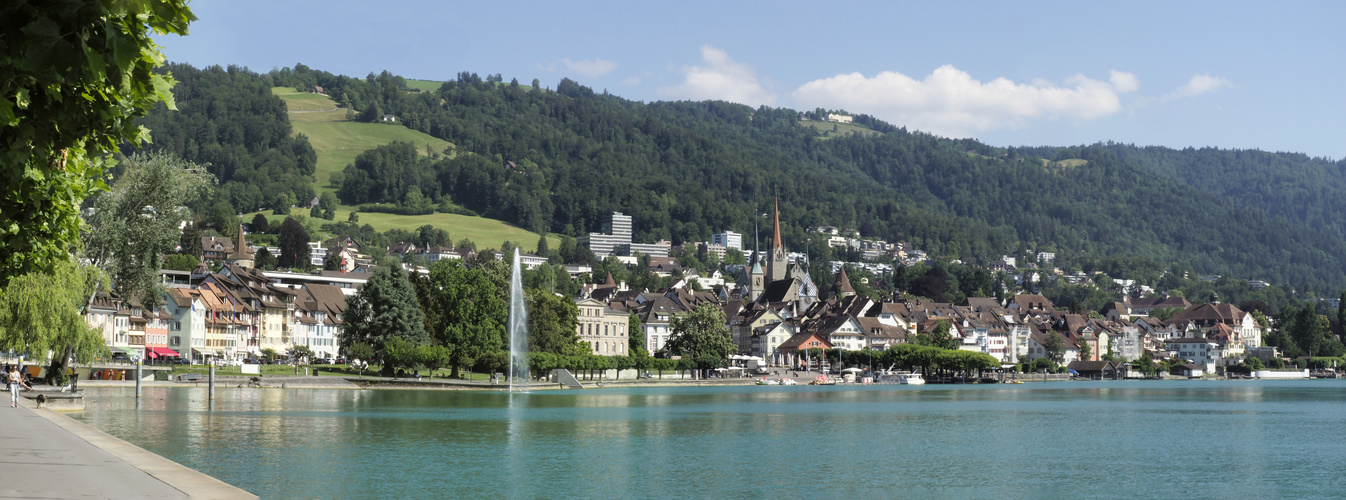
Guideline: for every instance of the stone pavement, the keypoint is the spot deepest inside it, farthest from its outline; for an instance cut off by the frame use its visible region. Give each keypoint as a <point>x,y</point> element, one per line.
<point>44,454</point>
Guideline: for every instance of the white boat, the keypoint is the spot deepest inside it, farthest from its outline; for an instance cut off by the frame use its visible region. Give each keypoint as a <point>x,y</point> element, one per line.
<point>910,379</point>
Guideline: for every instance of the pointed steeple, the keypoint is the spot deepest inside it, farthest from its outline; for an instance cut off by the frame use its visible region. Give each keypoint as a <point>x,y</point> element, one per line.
<point>842,287</point>
<point>776,267</point>
<point>775,240</point>
<point>240,257</point>
<point>610,282</point>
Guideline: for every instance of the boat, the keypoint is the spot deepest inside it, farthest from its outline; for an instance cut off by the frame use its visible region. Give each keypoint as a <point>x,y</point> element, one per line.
<point>910,379</point>
<point>788,381</point>
<point>823,380</point>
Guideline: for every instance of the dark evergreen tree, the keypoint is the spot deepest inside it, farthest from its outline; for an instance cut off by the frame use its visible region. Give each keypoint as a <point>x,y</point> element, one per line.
<point>385,308</point>
<point>293,244</point>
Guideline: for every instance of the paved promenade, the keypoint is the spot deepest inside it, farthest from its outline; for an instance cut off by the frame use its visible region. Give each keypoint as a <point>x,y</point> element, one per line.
<point>44,454</point>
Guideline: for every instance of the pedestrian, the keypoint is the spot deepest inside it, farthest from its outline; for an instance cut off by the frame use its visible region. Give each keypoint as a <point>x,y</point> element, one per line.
<point>15,381</point>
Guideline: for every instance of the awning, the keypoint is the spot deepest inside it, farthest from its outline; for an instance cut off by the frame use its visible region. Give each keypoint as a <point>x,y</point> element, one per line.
<point>206,352</point>
<point>129,351</point>
<point>164,351</point>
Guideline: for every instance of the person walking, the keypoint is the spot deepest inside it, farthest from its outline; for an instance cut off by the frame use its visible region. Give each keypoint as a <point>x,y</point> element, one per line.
<point>15,381</point>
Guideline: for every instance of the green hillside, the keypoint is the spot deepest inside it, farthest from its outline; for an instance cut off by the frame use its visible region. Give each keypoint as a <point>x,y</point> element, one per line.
<point>485,233</point>
<point>338,141</point>
<point>423,85</point>
<point>831,129</point>
<point>562,161</point>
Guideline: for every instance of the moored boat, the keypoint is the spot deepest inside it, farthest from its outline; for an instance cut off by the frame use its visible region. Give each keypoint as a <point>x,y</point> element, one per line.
<point>910,379</point>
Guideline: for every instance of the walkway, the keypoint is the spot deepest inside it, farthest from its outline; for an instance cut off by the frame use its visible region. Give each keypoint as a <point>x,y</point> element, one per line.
<point>44,454</point>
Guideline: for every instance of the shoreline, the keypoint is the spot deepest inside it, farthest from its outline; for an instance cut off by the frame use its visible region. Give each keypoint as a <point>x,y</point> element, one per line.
<point>188,481</point>
<point>383,383</point>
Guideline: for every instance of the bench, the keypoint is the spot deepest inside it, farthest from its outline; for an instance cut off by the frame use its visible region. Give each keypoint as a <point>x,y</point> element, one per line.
<point>189,377</point>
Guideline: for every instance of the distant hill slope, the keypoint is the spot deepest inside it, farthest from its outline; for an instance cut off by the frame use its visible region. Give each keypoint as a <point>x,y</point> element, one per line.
<point>336,140</point>
<point>562,161</point>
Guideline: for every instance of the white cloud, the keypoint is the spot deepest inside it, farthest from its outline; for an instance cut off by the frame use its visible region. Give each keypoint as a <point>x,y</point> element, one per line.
<point>721,78</point>
<point>1199,84</point>
<point>950,102</point>
<point>590,68</point>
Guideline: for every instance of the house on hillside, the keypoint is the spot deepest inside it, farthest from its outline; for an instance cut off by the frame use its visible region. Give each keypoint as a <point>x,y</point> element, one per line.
<point>389,118</point>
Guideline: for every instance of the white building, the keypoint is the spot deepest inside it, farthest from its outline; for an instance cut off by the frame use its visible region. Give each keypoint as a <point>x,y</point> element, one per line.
<point>728,239</point>
<point>316,253</point>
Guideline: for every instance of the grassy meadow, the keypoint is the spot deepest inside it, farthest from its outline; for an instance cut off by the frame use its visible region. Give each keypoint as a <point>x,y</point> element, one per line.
<point>842,128</point>
<point>338,142</point>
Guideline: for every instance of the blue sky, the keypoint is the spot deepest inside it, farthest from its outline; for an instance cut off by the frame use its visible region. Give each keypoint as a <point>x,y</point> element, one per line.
<point>1228,74</point>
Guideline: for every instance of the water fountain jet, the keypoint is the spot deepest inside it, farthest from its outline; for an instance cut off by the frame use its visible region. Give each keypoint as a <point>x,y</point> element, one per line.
<point>518,328</point>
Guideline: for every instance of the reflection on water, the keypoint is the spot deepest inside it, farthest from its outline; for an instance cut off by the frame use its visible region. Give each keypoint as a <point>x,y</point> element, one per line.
<point>1126,438</point>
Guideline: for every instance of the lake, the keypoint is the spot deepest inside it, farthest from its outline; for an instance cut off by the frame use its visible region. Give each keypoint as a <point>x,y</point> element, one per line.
<point>1189,439</point>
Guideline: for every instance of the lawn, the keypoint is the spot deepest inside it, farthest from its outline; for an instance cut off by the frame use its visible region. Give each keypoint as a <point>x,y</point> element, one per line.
<point>842,128</point>
<point>303,101</point>
<point>424,85</point>
<point>486,233</point>
<point>338,141</point>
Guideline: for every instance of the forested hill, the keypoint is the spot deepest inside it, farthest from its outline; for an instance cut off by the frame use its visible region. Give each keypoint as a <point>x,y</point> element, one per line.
<point>685,170</point>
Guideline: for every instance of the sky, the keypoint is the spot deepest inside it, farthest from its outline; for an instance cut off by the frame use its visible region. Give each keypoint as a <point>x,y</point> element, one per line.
<point>1226,74</point>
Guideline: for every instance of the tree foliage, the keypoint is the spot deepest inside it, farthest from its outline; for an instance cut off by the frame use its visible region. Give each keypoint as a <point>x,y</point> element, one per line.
<point>470,310</point>
<point>553,324</point>
<point>293,244</point>
<point>385,309</point>
<point>41,312</point>
<point>137,221</point>
<point>700,332</point>
<point>75,76</point>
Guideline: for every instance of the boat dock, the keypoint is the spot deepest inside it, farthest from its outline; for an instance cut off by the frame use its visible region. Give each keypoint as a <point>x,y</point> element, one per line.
<point>48,455</point>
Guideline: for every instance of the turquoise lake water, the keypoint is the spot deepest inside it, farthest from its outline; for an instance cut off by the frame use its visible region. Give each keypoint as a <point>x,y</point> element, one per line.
<point>1139,439</point>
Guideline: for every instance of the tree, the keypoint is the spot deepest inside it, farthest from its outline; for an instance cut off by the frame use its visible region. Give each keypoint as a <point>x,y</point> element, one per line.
<point>300,352</point>
<point>938,337</point>
<point>553,324</point>
<point>260,224</point>
<point>222,218</point>
<point>1341,317</point>
<point>293,244</point>
<point>269,354</point>
<point>181,262</point>
<point>190,240</point>
<point>432,357</point>
<point>264,260</point>
<point>385,309</point>
<point>360,352</point>
<point>40,313</point>
<point>328,202</point>
<point>76,77</point>
<point>470,311</point>
<point>137,221</point>
<point>636,337</point>
<point>399,354</point>
<point>1085,353</point>
<point>1056,348</point>
<point>700,333</point>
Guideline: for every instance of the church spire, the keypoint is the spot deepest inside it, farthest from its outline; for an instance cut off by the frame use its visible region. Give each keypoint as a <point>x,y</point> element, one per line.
<point>775,241</point>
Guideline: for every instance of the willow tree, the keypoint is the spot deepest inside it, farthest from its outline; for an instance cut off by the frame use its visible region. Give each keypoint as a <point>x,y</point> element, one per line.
<point>40,313</point>
<point>139,220</point>
<point>75,78</point>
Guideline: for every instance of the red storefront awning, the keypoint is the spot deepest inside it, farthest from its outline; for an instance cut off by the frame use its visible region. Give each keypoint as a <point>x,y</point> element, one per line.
<point>164,351</point>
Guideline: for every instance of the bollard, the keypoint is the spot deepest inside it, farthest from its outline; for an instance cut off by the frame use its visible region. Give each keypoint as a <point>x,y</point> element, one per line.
<point>137,379</point>
<point>211,394</point>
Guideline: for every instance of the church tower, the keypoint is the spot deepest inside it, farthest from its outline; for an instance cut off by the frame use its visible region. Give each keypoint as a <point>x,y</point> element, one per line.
<point>778,265</point>
<point>756,286</point>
